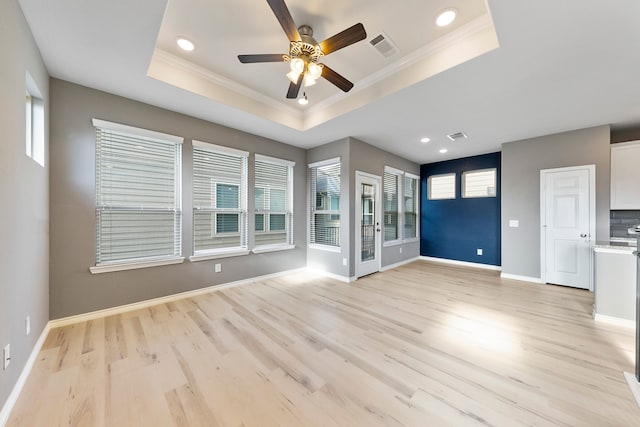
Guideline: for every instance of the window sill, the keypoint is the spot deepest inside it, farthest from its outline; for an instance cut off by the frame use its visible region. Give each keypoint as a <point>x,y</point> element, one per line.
<point>271,248</point>
<point>120,266</point>
<point>216,255</point>
<point>391,243</point>
<point>411,240</point>
<point>325,247</point>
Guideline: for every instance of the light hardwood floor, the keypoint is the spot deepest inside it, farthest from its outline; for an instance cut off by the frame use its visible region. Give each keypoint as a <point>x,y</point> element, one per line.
<point>422,345</point>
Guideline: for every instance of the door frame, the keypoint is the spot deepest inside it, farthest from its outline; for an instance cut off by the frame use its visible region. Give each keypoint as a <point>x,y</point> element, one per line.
<point>358,220</point>
<point>592,216</point>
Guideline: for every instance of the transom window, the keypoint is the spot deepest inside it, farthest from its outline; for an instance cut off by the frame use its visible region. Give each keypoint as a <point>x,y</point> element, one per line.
<point>442,186</point>
<point>479,183</point>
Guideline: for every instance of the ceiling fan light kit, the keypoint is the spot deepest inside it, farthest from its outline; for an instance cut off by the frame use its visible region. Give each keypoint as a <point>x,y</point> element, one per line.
<point>305,53</point>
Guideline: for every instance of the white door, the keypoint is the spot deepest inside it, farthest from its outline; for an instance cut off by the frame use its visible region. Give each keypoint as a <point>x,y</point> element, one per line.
<point>368,216</point>
<point>568,225</point>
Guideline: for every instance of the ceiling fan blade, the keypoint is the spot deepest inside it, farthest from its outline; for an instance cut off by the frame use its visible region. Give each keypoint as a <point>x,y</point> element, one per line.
<point>335,78</point>
<point>267,57</point>
<point>281,11</point>
<point>343,39</point>
<point>294,88</point>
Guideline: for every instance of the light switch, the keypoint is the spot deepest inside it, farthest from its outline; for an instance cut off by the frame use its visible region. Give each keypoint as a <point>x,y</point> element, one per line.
<point>514,223</point>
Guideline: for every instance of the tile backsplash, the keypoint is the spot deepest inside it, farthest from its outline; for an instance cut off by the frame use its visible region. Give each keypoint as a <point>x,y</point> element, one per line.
<point>621,221</point>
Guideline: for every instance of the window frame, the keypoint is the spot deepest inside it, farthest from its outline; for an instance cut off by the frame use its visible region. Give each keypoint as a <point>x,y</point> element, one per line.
<point>416,206</point>
<point>495,183</point>
<point>398,212</point>
<point>288,211</point>
<point>152,261</point>
<point>34,122</point>
<point>429,186</point>
<point>313,207</point>
<point>401,177</point>
<point>241,211</point>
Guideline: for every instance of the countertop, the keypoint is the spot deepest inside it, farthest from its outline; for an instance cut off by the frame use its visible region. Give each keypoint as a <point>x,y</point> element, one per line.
<point>622,246</point>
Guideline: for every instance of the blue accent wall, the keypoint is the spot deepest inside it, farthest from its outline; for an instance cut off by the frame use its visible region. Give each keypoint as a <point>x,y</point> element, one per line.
<point>455,228</point>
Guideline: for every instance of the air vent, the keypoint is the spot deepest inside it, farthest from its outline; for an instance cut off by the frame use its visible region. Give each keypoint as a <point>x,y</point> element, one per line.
<point>384,45</point>
<point>456,136</point>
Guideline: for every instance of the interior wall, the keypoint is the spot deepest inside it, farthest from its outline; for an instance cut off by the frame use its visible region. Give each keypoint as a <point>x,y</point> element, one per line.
<point>24,197</point>
<point>455,228</point>
<point>370,159</point>
<point>521,165</point>
<point>625,135</point>
<point>337,263</point>
<point>73,288</point>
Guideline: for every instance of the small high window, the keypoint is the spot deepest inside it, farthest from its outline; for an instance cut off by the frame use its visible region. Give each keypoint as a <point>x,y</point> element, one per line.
<point>479,183</point>
<point>34,123</point>
<point>442,187</point>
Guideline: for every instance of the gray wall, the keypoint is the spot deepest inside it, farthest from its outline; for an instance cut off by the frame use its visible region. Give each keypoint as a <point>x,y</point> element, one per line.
<point>369,159</point>
<point>355,156</point>
<point>24,198</point>
<point>521,165</point>
<point>73,288</point>
<point>332,262</point>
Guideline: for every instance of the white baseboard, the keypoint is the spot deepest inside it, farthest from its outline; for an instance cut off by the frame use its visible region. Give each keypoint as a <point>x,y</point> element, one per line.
<point>618,321</point>
<point>22,379</point>
<point>521,278</point>
<point>344,279</point>
<point>64,321</point>
<point>462,263</point>
<point>634,385</point>
<point>398,264</point>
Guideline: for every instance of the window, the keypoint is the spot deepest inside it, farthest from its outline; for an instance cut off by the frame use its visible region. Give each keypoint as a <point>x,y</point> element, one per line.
<point>442,186</point>
<point>34,122</point>
<point>219,200</point>
<point>391,186</point>
<point>273,192</point>
<point>479,183</point>
<point>324,180</point>
<point>138,208</point>
<point>400,213</point>
<point>410,206</point>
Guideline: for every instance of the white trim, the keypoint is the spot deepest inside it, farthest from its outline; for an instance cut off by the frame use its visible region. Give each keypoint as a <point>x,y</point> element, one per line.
<point>344,279</point>
<point>216,255</point>
<point>330,161</point>
<point>412,239</point>
<point>64,321</point>
<point>271,248</point>
<point>121,266</point>
<point>5,412</point>
<point>274,160</point>
<point>521,278</point>
<point>618,321</point>
<point>462,263</point>
<point>412,176</point>
<point>634,385</point>
<point>220,148</point>
<point>327,248</point>
<point>393,171</point>
<point>621,250</point>
<point>399,264</point>
<point>136,131</point>
<point>389,243</point>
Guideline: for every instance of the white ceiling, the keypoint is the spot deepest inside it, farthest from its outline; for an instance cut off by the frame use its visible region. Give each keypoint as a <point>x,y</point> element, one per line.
<point>560,65</point>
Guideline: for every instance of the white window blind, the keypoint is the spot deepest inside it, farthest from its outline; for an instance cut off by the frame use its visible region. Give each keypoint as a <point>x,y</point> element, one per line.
<point>273,190</point>
<point>442,186</point>
<point>325,204</point>
<point>410,207</point>
<point>479,183</point>
<point>391,187</point>
<point>138,206</point>
<point>219,199</point>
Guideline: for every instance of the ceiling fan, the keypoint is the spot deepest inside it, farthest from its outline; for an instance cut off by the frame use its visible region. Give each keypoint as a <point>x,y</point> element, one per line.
<point>305,53</point>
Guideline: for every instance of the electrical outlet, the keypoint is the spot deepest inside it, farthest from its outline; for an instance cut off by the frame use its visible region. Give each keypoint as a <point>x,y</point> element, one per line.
<point>400,249</point>
<point>479,252</point>
<point>6,356</point>
<point>27,325</point>
<point>344,261</point>
<point>218,268</point>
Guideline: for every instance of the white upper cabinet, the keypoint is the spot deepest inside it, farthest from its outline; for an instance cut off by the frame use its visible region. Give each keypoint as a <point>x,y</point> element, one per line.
<point>625,175</point>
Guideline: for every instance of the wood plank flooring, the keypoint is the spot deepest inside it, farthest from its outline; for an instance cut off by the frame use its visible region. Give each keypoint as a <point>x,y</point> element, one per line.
<point>421,345</point>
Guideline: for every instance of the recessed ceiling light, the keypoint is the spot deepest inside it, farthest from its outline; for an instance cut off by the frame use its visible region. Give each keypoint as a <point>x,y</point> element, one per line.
<point>446,17</point>
<point>425,140</point>
<point>443,150</point>
<point>185,44</point>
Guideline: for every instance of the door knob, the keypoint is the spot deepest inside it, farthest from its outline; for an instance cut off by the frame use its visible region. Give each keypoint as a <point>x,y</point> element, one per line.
<point>583,235</point>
